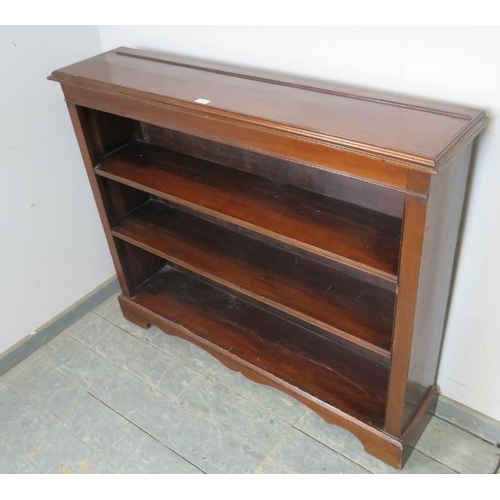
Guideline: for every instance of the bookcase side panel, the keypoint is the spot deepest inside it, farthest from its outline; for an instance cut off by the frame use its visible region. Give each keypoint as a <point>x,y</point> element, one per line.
<point>406,303</point>
<point>446,199</point>
<point>82,130</point>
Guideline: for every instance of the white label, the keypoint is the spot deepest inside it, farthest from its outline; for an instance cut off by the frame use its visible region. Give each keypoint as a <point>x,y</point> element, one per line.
<point>202,101</point>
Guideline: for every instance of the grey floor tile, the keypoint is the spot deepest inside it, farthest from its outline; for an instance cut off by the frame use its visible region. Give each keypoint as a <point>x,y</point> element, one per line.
<point>207,445</point>
<point>18,369</point>
<point>16,411</point>
<point>458,449</point>
<point>260,469</point>
<point>299,453</point>
<point>63,454</point>
<point>41,441</point>
<point>53,393</point>
<point>274,400</point>
<point>76,362</point>
<point>121,348</point>
<point>123,444</point>
<point>467,419</point>
<point>240,416</point>
<point>203,443</point>
<point>54,343</point>
<point>11,462</point>
<point>347,444</point>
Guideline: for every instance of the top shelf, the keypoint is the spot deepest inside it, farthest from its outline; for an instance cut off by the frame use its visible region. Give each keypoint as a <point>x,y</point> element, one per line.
<point>346,233</point>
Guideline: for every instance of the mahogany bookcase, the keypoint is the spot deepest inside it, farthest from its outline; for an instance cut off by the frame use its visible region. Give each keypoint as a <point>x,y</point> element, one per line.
<point>302,232</point>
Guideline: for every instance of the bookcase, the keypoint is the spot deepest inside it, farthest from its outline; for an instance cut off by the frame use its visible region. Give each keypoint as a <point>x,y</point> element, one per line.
<point>302,232</point>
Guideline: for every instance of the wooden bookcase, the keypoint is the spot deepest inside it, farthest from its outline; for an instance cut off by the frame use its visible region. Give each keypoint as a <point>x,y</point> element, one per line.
<point>304,233</point>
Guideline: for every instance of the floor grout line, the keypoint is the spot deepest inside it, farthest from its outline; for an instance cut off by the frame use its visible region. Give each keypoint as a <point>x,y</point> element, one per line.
<point>332,449</point>
<point>170,397</point>
<point>56,423</point>
<point>280,442</point>
<point>59,423</point>
<point>144,431</point>
<point>21,455</point>
<point>497,468</point>
<point>468,431</point>
<point>164,352</point>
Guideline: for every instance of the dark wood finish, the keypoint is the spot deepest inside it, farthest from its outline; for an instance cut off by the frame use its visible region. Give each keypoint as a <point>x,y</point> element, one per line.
<point>317,180</point>
<point>415,134</point>
<point>87,148</point>
<point>119,199</point>
<point>277,190</point>
<point>418,422</point>
<point>429,241</point>
<point>138,265</point>
<point>352,309</point>
<point>377,171</point>
<point>105,132</point>
<point>354,272</point>
<point>328,370</point>
<point>375,441</point>
<point>446,197</point>
<point>411,251</point>
<point>353,235</point>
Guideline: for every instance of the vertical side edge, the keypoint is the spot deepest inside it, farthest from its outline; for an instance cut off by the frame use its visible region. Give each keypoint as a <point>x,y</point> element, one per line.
<point>446,197</point>
<point>409,270</point>
<point>87,160</point>
<point>428,250</point>
<point>419,422</point>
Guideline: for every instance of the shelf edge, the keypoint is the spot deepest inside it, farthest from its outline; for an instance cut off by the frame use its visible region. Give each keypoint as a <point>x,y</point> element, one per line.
<point>390,278</point>
<point>384,354</point>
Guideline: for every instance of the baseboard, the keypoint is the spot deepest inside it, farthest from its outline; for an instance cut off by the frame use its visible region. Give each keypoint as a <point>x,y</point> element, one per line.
<point>52,328</point>
<point>468,419</point>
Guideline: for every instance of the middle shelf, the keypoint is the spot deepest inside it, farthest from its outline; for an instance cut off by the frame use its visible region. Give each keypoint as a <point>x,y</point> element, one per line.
<point>327,298</point>
<point>361,238</point>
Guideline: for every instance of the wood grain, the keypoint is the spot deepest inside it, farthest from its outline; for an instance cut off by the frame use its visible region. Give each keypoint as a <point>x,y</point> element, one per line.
<point>302,232</point>
<point>288,148</point>
<point>411,253</point>
<point>88,149</point>
<point>327,370</point>
<point>333,301</point>
<point>446,198</point>
<point>342,231</point>
<point>310,177</point>
<point>415,134</point>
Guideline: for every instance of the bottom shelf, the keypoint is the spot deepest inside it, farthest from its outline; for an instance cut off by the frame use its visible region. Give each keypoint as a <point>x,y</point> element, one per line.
<point>274,347</point>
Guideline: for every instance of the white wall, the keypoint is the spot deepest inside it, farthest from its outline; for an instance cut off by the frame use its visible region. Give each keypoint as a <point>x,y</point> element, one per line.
<point>459,64</point>
<point>52,249</point>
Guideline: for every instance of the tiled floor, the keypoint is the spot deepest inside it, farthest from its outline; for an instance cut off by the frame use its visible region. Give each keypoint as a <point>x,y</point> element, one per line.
<point>106,396</point>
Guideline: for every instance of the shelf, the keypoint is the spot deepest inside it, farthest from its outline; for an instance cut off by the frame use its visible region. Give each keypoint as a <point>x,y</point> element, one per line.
<point>274,347</point>
<point>326,298</point>
<point>347,233</point>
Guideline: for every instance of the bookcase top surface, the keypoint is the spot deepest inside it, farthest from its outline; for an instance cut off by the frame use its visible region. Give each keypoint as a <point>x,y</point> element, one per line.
<point>398,128</point>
